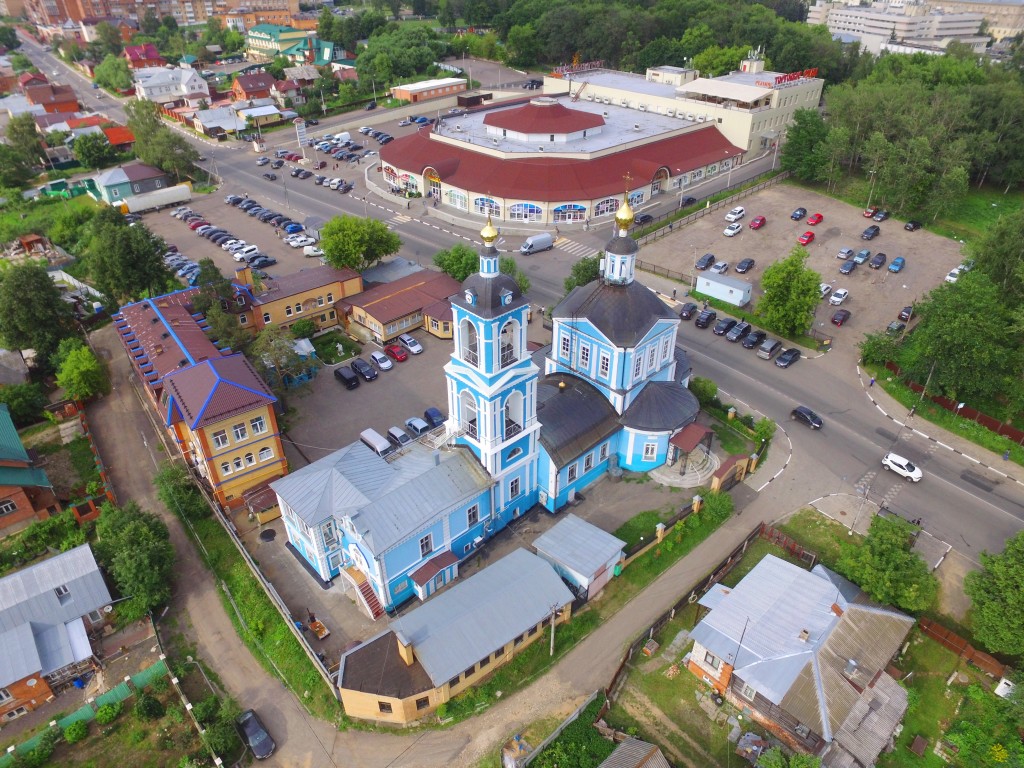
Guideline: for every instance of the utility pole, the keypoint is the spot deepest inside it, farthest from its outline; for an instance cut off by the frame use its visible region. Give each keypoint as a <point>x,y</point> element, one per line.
<point>554,613</point>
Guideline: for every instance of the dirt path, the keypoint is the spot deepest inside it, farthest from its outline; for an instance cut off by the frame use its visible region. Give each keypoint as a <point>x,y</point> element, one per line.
<point>645,710</point>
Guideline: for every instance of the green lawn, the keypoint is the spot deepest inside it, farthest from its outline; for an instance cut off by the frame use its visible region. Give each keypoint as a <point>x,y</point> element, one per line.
<point>818,533</point>
<point>730,440</point>
<point>643,524</point>
<point>326,347</point>
<point>932,706</point>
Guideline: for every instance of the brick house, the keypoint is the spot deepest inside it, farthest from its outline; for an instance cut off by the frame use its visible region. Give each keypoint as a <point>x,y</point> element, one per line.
<point>142,56</point>
<point>805,654</point>
<point>26,494</point>
<point>255,86</point>
<point>46,612</point>
<point>52,98</point>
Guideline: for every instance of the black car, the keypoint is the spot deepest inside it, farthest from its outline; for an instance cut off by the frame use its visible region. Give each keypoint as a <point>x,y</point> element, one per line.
<point>270,176</point>
<point>798,214</point>
<point>364,369</point>
<point>295,172</point>
<point>686,202</point>
<point>131,218</point>
<point>262,261</point>
<point>871,232</point>
<point>754,339</point>
<point>895,328</point>
<point>643,218</point>
<point>906,313</point>
<point>688,310</point>
<point>255,735</point>
<point>881,216</point>
<point>222,238</point>
<point>319,180</point>
<point>706,318</point>
<point>805,415</point>
<point>233,199</point>
<point>371,105</point>
<point>344,188</point>
<point>912,226</point>
<point>304,174</point>
<point>745,266</point>
<point>787,358</point>
<point>266,215</point>
<point>705,261</point>
<point>277,164</point>
<point>847,267</point>
<point>386,139</point>
<point>723,326</point>
<point>877,261</point>
<point>739,332</point>
<point>246,205</point>
<point>276,218</point>
<point>311,121</point>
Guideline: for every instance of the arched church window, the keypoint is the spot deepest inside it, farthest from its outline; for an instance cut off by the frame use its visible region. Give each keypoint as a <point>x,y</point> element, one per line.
<point>470,343</point>
<point>514,414</point>
<point>467,414</point>
<point>510,345</point>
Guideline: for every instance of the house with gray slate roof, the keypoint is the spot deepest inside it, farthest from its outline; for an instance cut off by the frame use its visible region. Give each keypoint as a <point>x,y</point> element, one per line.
<point>454,641</point>
<point>46,613</point>
<point>791,647</point>
<point>115,185</point>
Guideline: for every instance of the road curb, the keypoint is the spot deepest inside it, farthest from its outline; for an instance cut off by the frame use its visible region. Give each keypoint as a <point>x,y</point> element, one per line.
<point>935,440</point>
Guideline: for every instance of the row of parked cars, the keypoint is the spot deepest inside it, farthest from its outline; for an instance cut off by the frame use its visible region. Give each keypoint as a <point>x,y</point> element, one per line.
<point>741,332</point>
<point>295,233</point>
<point>397,352</point>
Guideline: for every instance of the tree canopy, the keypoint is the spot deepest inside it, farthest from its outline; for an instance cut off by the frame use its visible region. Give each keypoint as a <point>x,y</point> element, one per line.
<point>997,599</point>
<point>357,243</point>
<point>134,547</point>
<point>25,402</point>
<point>583,271</point>
<point>114,73</point>
<point>886,569</point>
<point>156,144</point>
<point>94,151</point>
<point>39,323</point>
<point>24,139</point>
<point>124,261</point>
<point>790,294</point>
<point>82,375</point>
<point>460,261</point>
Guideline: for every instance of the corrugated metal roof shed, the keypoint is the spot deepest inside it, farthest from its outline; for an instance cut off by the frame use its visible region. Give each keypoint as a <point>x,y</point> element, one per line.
<point>578,545</point>
<point>464,624</point>
<point>633,753</point>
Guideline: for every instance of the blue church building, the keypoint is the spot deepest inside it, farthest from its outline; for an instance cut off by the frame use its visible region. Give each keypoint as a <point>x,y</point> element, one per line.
<point>523,429</point>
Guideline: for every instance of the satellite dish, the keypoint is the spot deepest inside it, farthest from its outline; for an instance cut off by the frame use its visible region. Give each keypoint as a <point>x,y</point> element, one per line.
<point>108,608</point>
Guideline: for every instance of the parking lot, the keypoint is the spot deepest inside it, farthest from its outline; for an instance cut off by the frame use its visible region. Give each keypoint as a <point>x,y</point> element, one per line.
<point>876,296</point>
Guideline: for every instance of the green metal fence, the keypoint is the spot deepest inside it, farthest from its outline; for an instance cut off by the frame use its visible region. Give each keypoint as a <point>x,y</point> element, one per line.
<point>85,712</point>
<point>148,676</point>
<point>119,692</point>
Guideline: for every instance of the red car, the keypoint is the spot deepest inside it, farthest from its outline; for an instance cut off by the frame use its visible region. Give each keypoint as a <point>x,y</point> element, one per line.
<point>870,211</point>
<point>197,224</point>
<point>815,218</point>
<point>395,352</point>
<point>757,222</point>
<point>806,238</point>
<point>293,157</point>
<point>320,164</point>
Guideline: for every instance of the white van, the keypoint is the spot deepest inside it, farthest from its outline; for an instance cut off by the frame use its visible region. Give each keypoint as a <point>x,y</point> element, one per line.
<point>536,243</point>
<point>312,250</point>
<point>376,442</point>
<point>245,253</point>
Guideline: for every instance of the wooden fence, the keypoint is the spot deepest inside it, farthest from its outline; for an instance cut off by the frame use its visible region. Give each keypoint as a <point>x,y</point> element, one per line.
<point>971,414</point>
<point>961,647</point>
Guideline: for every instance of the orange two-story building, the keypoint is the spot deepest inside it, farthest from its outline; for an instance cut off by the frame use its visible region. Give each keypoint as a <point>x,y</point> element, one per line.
<point>214,405</point>
<point>313,293</point>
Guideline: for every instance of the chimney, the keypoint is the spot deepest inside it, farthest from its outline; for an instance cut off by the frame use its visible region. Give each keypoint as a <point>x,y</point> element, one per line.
<point>804,635</point>
<point>851,668</point>
<point>437,458</point>
<point>404,648</point>
<point>836,609</point>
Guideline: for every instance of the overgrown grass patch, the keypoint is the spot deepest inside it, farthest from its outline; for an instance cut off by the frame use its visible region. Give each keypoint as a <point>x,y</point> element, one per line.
<point>820,534</point>
<point>83,460</point>
<point>326,347</point>
<point>730,440</point>
<point>642,526</point>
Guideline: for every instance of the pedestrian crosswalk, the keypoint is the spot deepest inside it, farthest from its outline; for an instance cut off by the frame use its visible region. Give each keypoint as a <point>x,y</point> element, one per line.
<point>399,218</point>
<point>574,248</point>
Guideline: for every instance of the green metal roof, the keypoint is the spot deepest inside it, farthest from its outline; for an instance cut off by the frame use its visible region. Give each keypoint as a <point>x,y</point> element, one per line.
<point>11,448</point>
<point>24,476</point>
<point>273,31</point>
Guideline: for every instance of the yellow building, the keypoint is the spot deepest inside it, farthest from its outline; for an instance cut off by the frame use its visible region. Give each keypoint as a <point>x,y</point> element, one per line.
<point>310,293</point>
<point>427,657</point>
<point>215,407</point>
<point>397,307</point>
<point>265,42</point>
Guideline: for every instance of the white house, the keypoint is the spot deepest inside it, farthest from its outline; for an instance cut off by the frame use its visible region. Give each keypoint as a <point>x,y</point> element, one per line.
<point>164,86</point>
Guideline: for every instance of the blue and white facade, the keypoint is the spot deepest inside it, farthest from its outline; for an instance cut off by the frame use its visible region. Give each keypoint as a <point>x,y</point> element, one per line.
<point>397,527</point>
<point>492,384</point>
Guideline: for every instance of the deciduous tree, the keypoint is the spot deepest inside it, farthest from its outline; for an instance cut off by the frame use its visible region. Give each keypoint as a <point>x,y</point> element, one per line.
<point>32,313</point>
<point>125,261</point>
<point>23,137</point>
<point>82,375</point>
<point>790,294</point>
<point>114,73</point>
<point>25,402</point>
<point>135,548</point>
<point>94,151</point>
<point>997,599</point>
<point>275,355</point>
<point>886,569</point>
<point>585,270</point>
<point>357,243</point>
<point>15,167</point>
<point>459,262</point>
<point>800,152</point>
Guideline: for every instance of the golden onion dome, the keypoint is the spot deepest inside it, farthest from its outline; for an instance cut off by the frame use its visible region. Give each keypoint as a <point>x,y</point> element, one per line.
<point>624,216</point>
<point>489,234</point>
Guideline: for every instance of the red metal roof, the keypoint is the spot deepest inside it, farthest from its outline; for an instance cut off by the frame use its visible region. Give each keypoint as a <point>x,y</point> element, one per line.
<point>404,296</point>
<point>144,52</point>
<point>689,437</point>
<point>543,117</point>
<point>217,389</point>
<point>119,135</point>
<point>556,178</point>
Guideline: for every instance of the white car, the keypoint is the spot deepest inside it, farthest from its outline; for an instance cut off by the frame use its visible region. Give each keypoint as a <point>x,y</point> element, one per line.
<point>902,467</point>
<point>720,267</point>
<point>301,241</point>
<point>410,343</point>
<point>227,245</point>
<point>825,289</point>
<point>263,161</point>
<point>238,246</point>
<point>382,361</point>
<point>733,229</point>
<point>955,273</point>
<point>736,213</point>
<point>838,297</point>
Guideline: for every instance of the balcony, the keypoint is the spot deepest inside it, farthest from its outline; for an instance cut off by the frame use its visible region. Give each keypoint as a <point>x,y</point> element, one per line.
<point>508,356</point>
<point>470,356</point>
<point>512,428</point>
